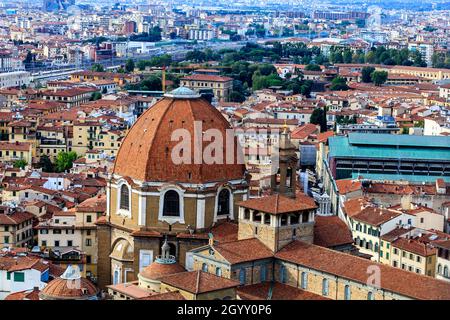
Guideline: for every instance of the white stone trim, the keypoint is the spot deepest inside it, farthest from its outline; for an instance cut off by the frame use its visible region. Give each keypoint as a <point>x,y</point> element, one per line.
<point>180,192</point>
<point>142,210</point>
<point>200,222</point>
<point>108,199</point>
<point>119,211</point>
<point>184,185</point>
<point>125,271</point>
<point>231,204</point>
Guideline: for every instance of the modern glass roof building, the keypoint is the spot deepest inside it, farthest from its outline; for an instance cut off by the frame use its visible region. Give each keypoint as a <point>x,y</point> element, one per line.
<point>390,157</point>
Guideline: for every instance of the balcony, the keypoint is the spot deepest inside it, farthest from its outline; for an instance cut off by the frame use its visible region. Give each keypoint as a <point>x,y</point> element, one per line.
<point>51,142</point>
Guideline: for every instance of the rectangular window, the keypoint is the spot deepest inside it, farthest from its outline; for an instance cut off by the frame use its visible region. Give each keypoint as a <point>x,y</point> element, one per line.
<point>56,243</point>
<point>88,242</point>
<point>88,218</point>
<point>19,277</point>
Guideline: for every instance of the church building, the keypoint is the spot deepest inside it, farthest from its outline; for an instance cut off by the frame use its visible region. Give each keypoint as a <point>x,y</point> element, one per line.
<point>149,197</point>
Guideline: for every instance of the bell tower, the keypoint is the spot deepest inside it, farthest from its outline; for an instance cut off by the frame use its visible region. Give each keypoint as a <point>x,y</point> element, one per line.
<point>284,165</point>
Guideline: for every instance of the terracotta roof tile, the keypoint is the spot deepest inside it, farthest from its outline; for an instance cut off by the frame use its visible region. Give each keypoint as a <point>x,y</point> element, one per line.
<point>145,153</point>
<point>238,251</point>
<point>280,291</point>
<point>197,282</point>
<point>278,204</point>
<point>331,231</point>
<point>354,268</point>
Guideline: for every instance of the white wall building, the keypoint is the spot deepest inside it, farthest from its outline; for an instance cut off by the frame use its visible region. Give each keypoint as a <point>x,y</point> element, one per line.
<point>14,79</point>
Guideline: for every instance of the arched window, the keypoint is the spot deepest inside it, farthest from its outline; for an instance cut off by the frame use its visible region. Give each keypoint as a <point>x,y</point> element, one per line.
<point>218,272</point>
<point>325,287</point>
<point>223,207</point>
<point>171,204</point>
<point>446,271</point>
<point>347,293</point>
<point>124,197</point>
<point>204,267</point>
<point>116,277</point>
<point>247,214</point>
<point>439,268</point>
<point>304,282</point>
<point>370,295</point>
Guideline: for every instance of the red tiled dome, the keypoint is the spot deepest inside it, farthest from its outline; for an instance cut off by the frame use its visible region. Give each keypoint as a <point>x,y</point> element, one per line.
<point>145,153</point>
<point>68,289</point>
<point>157,270</point>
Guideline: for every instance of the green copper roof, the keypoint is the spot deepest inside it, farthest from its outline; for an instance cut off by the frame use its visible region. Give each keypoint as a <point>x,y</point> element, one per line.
<point>390,146</point>
<point>403,140</point>
<point>399,177</point>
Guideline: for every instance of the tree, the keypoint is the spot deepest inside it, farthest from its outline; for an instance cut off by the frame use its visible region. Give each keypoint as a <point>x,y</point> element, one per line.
<point>338,84</point>
<point>154,35</point>
<point>64,160</point>
<point>152,83</point>
<point>196,56</point>
<point>347,56</point>
<point>98,68</point>
<point>379,77</point>
<point>129,65</point>
<point>236,96</point>
<point>28,58</point>
<point>95,96</point>
<point>46,164</point>
<point>157,61</point>
<point>21,163</point>
<point>366,74</point>
<point>370,57</point>
<point>312,67</point>
<point>319,117</point>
